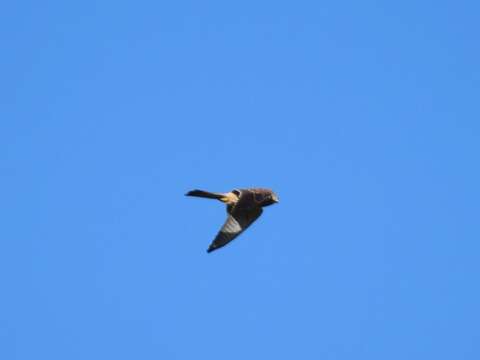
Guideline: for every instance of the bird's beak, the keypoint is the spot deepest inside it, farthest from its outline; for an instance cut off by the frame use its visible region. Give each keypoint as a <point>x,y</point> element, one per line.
<point>276,199</point>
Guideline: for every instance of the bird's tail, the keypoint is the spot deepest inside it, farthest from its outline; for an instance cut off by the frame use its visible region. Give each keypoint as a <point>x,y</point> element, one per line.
<point>205,194</point>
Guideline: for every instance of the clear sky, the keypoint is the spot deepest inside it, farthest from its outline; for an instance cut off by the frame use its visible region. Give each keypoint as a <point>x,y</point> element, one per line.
<point>362,115</point>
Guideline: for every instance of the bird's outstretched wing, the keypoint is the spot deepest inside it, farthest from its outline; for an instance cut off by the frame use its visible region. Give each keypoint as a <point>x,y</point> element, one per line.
<point>237,222</point>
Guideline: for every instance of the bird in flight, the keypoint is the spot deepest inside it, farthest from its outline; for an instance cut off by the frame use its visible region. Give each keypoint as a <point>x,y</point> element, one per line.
<point>244,206</point>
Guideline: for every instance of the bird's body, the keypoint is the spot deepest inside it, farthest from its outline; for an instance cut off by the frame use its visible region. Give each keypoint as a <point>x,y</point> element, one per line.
<point>244,206</point>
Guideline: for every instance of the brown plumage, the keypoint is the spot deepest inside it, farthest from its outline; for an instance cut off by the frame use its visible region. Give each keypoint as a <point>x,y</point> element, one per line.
<point>244,206</point>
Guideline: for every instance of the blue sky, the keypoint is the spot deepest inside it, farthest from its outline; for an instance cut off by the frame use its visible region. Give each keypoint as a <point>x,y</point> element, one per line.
<point>362,116</point>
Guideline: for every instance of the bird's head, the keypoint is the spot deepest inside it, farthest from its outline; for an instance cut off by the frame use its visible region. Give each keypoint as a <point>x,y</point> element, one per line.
<point>270,199</point>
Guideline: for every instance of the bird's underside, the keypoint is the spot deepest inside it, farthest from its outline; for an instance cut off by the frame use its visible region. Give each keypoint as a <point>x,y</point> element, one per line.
<point>244,206</point>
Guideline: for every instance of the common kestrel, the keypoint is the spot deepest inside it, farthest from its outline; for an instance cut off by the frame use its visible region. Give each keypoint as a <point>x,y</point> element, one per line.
<point>244,206</point>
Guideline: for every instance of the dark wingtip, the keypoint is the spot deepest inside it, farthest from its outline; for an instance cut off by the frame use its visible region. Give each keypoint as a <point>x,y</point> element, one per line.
<point>210,249</point>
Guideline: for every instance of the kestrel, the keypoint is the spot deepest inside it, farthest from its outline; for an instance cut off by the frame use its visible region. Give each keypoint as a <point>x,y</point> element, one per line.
<point>244,206</point>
